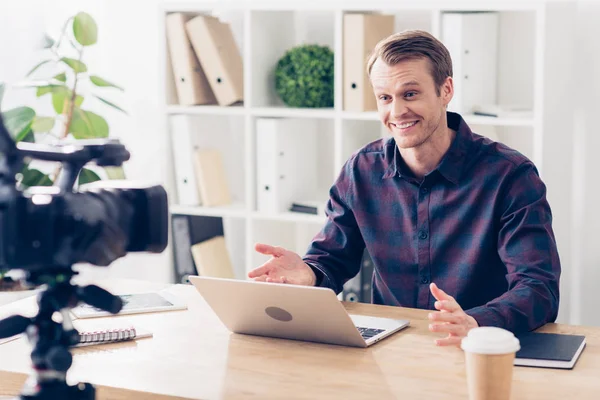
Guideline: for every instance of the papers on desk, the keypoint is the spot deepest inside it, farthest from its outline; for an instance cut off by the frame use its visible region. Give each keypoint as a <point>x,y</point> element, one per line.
<point>10,339</point>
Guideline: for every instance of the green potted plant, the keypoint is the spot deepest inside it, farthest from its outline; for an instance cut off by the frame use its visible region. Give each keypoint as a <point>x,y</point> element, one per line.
<point>304,76</point>
<point>65,90</point>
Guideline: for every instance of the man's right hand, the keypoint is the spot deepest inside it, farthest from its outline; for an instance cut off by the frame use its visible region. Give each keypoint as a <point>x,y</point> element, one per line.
<point>284,267</point>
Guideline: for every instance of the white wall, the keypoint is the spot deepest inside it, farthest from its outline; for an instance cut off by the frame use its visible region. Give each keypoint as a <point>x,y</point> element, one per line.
<point>585,265</point>
<point>127,53</point>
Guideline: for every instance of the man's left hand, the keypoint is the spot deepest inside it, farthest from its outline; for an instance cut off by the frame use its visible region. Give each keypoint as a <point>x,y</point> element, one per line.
<point>449,319</point>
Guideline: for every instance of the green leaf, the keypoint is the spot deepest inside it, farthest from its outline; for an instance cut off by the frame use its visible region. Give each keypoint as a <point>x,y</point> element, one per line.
<point>85,29</point>
<point>37,66</point>
<point>88,125</point>
<point>34,177</point>
<point>110,104</point>
<point>2,87</point>
<point>29,137</point>
<point>96,80</point>
<point>115,172</point>
<point>42,124</point>
<point>76,65</point>
<point>87,176</point>
<point>61,77</point>
<point>18,121</point>
<point>62,98</point>
<point>42,90</point>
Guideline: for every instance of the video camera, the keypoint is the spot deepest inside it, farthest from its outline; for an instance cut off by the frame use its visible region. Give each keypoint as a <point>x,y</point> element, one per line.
<point>45,230</point>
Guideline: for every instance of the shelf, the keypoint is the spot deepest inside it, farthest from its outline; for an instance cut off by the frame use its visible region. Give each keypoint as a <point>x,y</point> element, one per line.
<point>361,116</point>
<point>470,119</point>
<point>234,210</point>
<point>206,110</point>
<point>495,121</point>
<point>290,217</point>
<point>288,112</point>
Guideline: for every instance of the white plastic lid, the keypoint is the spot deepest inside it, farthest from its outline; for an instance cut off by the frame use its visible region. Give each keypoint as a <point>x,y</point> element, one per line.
<point>490,340</point>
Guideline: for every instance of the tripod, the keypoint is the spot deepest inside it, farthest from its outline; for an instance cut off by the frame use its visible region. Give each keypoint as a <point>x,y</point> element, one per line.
<point>51,340</point>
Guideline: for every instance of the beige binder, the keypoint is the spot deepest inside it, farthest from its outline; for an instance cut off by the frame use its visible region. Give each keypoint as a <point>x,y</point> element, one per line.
<point>190,82</point>
<point>219,56</point>
<point>212,258</point>
<point>361,33</point>
<point>211,178</point>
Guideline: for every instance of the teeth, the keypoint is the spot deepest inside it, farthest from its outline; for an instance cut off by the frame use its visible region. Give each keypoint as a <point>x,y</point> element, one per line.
<point>406,125</point>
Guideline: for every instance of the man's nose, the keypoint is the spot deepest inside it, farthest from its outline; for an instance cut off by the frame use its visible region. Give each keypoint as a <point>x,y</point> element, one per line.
<point>399,108</point>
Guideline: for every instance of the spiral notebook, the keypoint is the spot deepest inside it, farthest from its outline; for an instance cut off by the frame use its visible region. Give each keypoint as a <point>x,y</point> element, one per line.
<point>101,333</point>
<point>113,335</point>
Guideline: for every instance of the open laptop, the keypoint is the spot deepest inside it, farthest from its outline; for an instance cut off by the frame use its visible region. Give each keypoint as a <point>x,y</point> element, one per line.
<point>291,311</point>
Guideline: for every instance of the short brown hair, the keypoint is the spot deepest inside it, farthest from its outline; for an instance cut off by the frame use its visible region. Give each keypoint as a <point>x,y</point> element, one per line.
<point>414,44</point>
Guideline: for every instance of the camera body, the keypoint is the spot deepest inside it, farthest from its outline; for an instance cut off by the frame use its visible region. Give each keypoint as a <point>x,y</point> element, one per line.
<point>43,227</point>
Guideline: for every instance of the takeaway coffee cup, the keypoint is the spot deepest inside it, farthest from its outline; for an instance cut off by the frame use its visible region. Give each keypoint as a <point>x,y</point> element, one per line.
<point>489,357</point>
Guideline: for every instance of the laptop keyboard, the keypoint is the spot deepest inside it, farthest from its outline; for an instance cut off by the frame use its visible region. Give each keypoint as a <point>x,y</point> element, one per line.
<point>368,333</point>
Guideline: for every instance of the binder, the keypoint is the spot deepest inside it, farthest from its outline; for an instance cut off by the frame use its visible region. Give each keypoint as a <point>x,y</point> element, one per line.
<point>190,81</point>
<point>361,33</point>
<point>182,241</point>
<point>284,169</point>
<point>219,57</point>
<point>183,150</point>
<point>188,230</point>
<point>211,178</point>
<point>472,40</point>
<point>212,258</point>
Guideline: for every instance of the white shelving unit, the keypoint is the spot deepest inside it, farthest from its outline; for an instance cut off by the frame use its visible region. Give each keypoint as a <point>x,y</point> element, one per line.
<point>264,30</point>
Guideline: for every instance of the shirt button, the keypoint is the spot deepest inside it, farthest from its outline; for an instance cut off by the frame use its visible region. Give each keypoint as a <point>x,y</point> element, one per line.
<point>423,235</point>
<point>424,190</point>
<point>424,280</point>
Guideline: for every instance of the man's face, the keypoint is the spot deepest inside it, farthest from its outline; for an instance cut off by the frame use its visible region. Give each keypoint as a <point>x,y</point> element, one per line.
<point>407,100</point>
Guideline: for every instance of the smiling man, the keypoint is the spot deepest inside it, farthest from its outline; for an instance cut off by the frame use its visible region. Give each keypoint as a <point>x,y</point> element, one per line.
<point>437,207</point>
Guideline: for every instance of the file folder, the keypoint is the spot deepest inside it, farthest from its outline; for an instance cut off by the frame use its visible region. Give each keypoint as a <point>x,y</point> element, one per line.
<point>361,33</point>
<point>286,171</point>
<point>472,40</point>
<point>191,84</point>
<point>183,151</point>
<point>211,178</point>
<point>212,258</point>
<point>219,57</point>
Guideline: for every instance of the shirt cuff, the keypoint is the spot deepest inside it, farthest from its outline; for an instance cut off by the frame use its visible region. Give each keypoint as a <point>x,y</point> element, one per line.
<point>486,316</point>
<point>322,279</point>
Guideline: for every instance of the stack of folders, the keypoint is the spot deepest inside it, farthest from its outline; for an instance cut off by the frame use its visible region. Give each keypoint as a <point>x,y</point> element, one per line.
<point>207,64</point>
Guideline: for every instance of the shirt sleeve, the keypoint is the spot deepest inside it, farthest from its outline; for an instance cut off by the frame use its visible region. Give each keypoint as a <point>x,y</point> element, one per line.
<point>336,251</point>
<point>527,246</point>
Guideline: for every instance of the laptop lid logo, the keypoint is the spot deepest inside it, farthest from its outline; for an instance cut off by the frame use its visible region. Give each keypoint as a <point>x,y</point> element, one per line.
<point>278,313</point>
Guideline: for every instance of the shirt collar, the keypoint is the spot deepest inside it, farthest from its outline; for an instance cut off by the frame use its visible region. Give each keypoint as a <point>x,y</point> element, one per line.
<point>453,161</point>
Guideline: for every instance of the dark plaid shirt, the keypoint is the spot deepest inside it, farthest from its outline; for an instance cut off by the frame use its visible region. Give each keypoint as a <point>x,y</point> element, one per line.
<point>479,226</point>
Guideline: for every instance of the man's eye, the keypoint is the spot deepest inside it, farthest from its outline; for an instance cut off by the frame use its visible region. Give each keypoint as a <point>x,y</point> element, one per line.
<point>384,97</point>
<point>410,94</point>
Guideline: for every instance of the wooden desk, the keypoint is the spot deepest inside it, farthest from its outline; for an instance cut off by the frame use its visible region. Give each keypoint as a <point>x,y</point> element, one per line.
<point>192,355</point>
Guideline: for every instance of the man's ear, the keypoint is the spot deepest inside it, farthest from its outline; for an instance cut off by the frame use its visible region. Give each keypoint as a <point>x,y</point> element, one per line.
<point>447,91</point>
